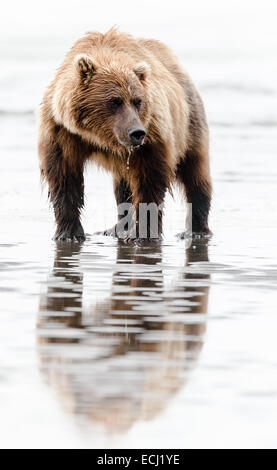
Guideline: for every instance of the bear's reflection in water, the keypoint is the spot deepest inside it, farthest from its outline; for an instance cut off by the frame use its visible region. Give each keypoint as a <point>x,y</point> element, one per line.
<point>122,359</point>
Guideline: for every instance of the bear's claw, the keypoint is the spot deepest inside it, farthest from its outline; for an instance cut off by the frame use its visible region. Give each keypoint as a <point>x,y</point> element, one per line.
<point>70,236</point>
<point>194,235</point>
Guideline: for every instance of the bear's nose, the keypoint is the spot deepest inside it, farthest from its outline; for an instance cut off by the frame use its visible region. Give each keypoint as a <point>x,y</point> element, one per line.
<point>136,135</point>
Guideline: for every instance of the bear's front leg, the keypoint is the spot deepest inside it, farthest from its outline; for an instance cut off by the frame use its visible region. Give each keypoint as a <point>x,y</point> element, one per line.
<point>68,200</point>
<point>66,191</point>
<point>150,178</point>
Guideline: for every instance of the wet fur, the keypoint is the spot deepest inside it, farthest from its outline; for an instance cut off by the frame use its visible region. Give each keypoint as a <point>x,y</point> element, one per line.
<point>77,126</point>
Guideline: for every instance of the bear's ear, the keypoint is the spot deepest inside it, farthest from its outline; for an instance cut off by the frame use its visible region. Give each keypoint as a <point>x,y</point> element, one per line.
<point>141,70</point>
<point>85,67</point>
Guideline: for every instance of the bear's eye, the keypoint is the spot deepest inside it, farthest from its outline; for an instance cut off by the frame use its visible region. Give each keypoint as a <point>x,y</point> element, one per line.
<point>114,103</point>
<point>137,103</point>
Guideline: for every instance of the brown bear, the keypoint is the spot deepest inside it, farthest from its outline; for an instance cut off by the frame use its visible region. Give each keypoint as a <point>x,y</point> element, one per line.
<point>128,105</point>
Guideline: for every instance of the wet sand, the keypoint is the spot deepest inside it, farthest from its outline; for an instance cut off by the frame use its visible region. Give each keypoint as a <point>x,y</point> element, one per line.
<point>108,345</point>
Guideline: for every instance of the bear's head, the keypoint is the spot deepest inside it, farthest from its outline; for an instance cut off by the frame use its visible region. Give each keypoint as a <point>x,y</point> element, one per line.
<point>111,102</point>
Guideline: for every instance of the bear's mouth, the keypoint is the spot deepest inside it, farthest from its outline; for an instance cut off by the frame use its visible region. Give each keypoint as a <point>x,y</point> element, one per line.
<point>131,147</point>
<point>135,147</point>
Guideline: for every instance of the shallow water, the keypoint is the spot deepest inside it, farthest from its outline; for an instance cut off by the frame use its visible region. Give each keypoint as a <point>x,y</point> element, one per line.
<point>166,345</point>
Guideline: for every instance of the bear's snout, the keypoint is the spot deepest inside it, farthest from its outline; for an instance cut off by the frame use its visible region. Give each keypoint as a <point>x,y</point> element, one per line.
<point>136,135</point>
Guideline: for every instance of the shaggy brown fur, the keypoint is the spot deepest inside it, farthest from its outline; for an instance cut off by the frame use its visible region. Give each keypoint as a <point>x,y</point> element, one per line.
<point>108,84</point>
